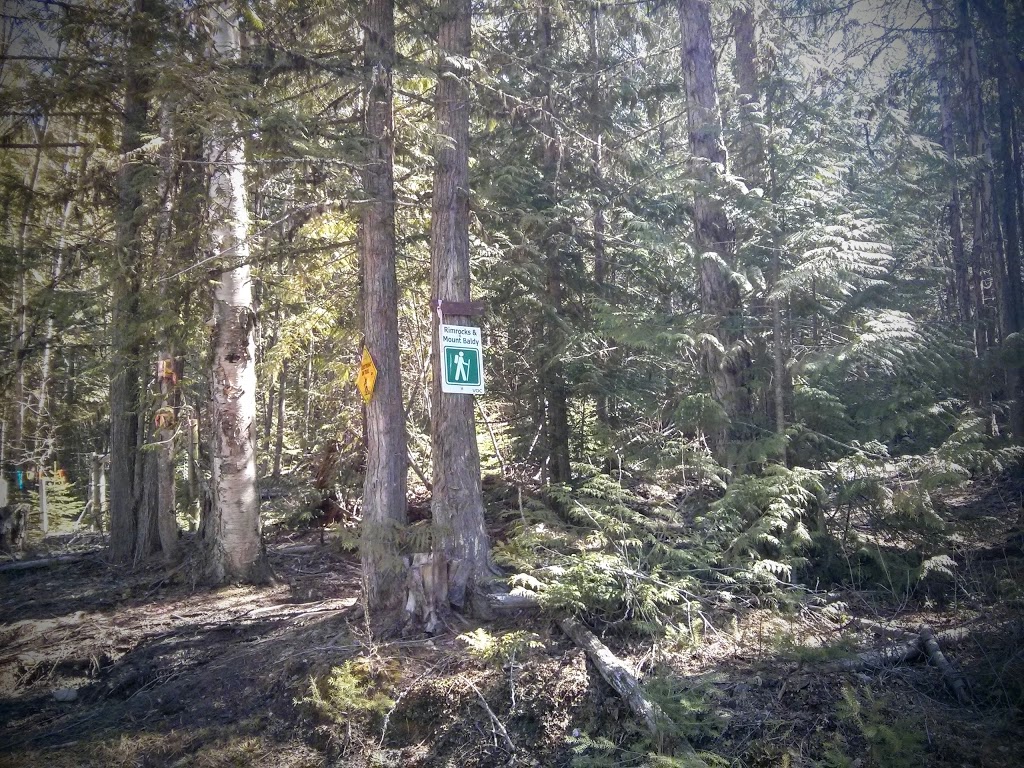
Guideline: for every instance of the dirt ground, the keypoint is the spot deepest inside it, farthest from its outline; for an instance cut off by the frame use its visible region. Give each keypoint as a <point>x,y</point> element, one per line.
<point>100,666</point>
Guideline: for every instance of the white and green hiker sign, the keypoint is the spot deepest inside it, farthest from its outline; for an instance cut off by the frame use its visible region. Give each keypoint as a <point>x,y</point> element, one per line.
<point>462,360</point>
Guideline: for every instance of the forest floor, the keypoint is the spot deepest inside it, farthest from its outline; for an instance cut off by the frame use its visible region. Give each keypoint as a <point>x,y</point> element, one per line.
<point>101,666</point>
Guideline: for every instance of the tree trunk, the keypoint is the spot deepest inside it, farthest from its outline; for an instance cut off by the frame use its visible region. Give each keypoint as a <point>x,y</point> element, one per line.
<point>954,210</point>
<point>983,257</point>
<point>601,399</point>
<point>714,234</point>
<point>234,550</point>
<point>753,165</point>
<point>95,497</point>
<point>165,433</point>
<point>282,380</point>
<point>20,332</point>
<point>44,507</point>
<point>457,503</point>
<point>307,410</point>
<point>384,486</point>
<point>555,388</point>
<point>126,348</point>
<point>1013,315</point>
<point>43,422</point>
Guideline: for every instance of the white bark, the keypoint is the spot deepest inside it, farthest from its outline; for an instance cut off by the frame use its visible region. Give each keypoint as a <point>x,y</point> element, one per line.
<point>233,530</point>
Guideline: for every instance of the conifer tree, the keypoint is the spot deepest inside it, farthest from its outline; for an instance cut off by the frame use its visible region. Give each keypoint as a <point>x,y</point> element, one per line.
<point>384,488</point>
<point>726,361</point>
<point>457,505</point>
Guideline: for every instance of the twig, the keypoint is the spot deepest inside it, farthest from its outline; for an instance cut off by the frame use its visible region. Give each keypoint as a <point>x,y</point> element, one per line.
<point>494,719</point>
<point>494,440</point>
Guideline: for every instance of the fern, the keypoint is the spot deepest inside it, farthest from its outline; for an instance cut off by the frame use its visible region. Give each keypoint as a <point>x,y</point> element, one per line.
<point>763,520</point>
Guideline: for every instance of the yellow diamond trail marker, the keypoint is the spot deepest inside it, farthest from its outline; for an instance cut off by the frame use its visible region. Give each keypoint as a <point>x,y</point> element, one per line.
<point>367,376</point>
<point>462,364</point>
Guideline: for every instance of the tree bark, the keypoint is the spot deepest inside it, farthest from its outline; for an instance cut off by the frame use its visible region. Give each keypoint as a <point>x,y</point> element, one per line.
<point>954,210</point>
<point>165,435</point>
<point>95,497</point>
<point>1013,315</point>
<point>728,363</point>
<point>753,165</point>
<point>126,348</point>
<point>554,385</point>
<point>603,403</point>
<point>282,380</point>
<point>384,485</point>
<point>234,550</point>
<point>983,256</point>
<point>460,538</point>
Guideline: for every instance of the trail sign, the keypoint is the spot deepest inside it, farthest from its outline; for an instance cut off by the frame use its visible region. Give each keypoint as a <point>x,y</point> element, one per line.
<point>367,376</point>
<point>462,360</point>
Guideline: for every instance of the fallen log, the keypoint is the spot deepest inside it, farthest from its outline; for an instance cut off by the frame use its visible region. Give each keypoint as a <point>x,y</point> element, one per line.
<point>950,674</point>
<point>513,602</point>
<point>615,672</point>
<point>296,549</point>
<point>46,562</point>
<point>892,656</point>
<point>922,646</point>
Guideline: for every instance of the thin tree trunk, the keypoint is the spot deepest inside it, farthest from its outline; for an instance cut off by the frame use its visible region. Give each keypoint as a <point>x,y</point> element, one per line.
<point>713,232</point>
<point>983,257</point>
<point>601,399</point>
<point>457,504</point>
<point>555,388</point>
<point>19,447</point>
<point>954,210</point>
<point>282,379</point>
<point>56,273</point>
<point>234,548</point>
<point>1013,315</point>
<point>165,433</point>
<point>126,348</point>
<point>96,491</point>
<point>307,410</point>
<point>753,164</point>
<point>44,507</point>
<point>384,486</point>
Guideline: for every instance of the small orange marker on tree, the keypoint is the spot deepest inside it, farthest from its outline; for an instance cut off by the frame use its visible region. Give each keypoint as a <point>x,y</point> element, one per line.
<point>367,376</point>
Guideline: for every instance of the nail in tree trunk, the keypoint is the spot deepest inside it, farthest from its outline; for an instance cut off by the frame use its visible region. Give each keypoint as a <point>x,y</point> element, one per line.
<point>234,550</point>
<point>714,234</point>
<point>384,485</point>
<point>457,505</point>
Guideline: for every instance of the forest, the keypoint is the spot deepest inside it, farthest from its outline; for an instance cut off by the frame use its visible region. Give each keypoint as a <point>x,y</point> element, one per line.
<point>511,383</point>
